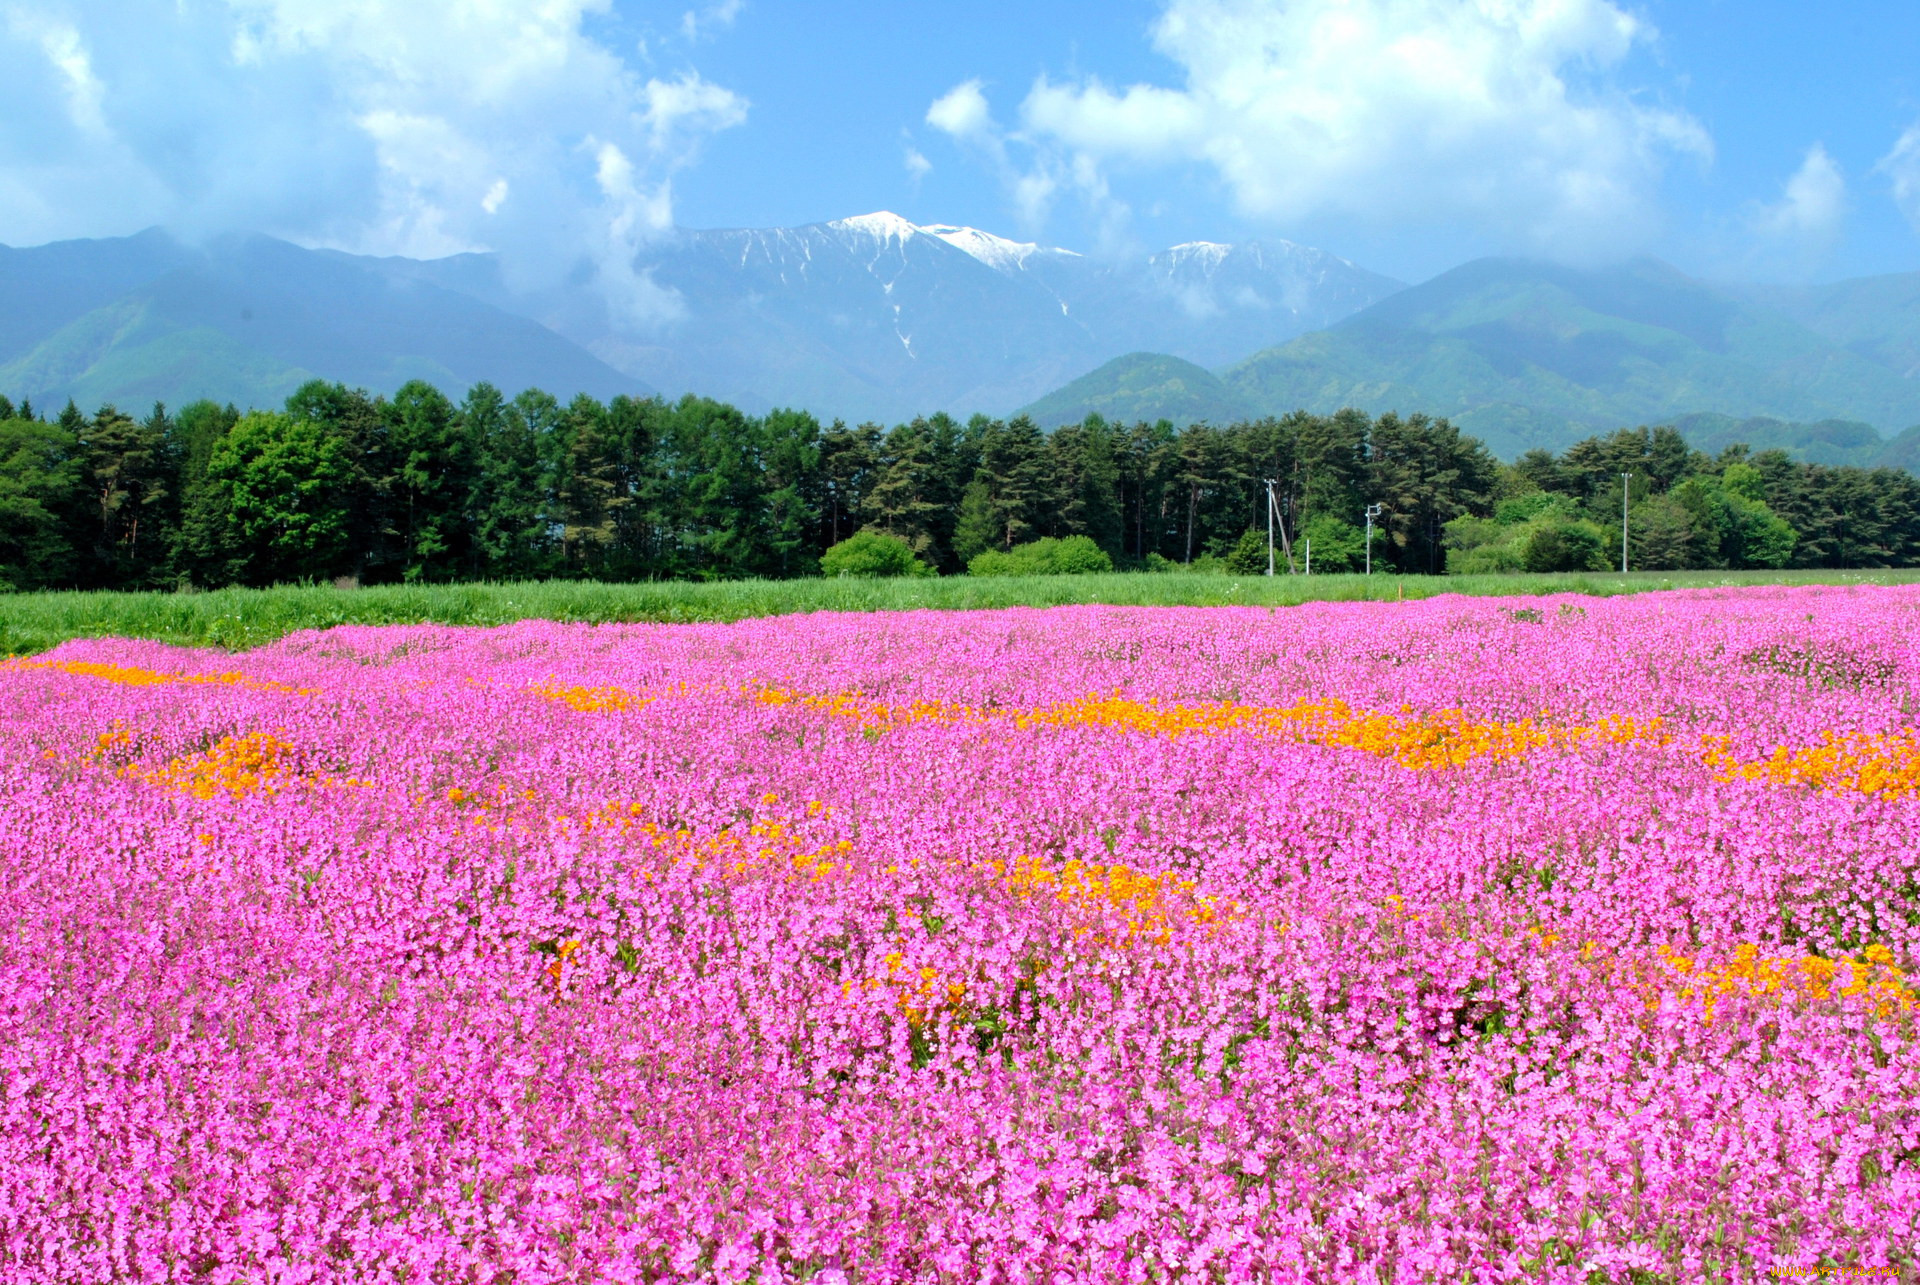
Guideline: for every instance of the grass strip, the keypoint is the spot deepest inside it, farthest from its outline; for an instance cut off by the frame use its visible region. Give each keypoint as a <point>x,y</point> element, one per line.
<point>237,619</point>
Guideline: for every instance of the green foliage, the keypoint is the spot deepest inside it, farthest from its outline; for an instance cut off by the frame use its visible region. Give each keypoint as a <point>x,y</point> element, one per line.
<point>415,488</point>
<point>1537,532</point>
<point>1728,529</point>
<point>909,497</point>
<point>282,488</point>
<point>39,479</point>
<point>1556,545</point>
<point>427,478</point>
<point>1660,534</point>
<point>872,553</point>
<point>1248,557</point>
<point>1076,555</point>
<point>1537,504</point>
<point>129,472</point>
<point>1333,546</point>
<point>1009,494</point>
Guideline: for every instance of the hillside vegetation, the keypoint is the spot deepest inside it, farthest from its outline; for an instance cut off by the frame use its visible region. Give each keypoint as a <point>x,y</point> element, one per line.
<point>1529,355</point>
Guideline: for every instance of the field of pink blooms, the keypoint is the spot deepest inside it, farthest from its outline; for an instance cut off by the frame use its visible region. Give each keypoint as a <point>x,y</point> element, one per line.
<point>1462,940</point>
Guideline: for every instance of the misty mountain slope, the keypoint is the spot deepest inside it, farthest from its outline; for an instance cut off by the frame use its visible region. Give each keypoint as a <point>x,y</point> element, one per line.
<point>248,319</point>
<point>1225,295</point>
<point>46,287</point>
<point>1142,386</point>
<point>1525,354</point>
<point>130,354</point>
<point>1874,317</point>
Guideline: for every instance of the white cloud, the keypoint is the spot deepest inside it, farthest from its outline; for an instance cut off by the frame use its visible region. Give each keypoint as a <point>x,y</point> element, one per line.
<point>962,112</point>
<point>639,213</point>
<point>1902,166</point>
<point>1812,205</point>
<point>1034,177</point>
<point>66,52</point>
<point>1502,114</point>
<point>696,24</point>
<point>383,126</point>
<point>918,166</point>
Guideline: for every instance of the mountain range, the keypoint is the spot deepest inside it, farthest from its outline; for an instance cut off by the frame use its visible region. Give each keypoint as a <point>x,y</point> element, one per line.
<point>248,319</point>
<point>870,317</point>
<point>876,318</point>
<point>1525,354</point>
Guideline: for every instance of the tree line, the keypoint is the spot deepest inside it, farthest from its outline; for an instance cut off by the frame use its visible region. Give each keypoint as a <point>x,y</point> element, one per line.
<point>339,484</point>
<point>1686,510</point>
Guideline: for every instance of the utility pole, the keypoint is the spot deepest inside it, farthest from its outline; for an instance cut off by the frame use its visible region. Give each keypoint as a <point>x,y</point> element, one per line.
<point>1277,520</point>
<point>1269,528</point>
<point>1626,481</point>
<point>1373,511</point>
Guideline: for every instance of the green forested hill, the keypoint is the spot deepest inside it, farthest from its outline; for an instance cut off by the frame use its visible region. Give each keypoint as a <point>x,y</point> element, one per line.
<point>1143,386</point>
<point>1525,354</point>
<point>248,320</point>
<point>1513,351</point>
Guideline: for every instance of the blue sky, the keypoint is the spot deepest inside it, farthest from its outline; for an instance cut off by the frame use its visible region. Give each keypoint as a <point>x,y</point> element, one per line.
<point>1761,139</point>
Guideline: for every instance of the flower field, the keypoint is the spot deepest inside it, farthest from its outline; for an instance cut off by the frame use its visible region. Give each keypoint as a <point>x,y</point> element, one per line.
<point>1467,939</point>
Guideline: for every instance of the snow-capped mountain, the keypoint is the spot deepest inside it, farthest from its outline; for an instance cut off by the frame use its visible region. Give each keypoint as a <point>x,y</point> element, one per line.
<point>877,317</point>
<point>865,318</point>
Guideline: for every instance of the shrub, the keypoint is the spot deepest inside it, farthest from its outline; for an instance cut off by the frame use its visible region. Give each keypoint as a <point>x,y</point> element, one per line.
<point>1076,555</point>
<point>1337,545</point>
<point>1555,545</point>
<point>870,554</point>
<point>1249,556</point>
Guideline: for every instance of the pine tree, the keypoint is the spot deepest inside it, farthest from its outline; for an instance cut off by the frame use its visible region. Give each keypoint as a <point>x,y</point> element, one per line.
<point>1016,472</point>
<point>503,504</point>
<point>129,474</point>
<point>902,500</point>
<point>582,484</point>
<point>1086,480</point>
<point>846,474</point>
<point>431,478</point>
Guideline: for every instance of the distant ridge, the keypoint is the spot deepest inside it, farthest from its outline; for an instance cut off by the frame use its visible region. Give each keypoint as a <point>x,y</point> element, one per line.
<point>874,317</point>
<point>248,320</point>
<point>871,317</point>
<point>1525,355</point>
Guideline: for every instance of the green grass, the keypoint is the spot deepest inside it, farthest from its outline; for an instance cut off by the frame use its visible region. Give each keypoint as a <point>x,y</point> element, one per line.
<point>237,619</point>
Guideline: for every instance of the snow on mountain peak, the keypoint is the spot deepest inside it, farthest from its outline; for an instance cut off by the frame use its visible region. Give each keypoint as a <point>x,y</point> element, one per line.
<point>1209,253</point>
<point>882,225</point>
<point>996,252</point>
